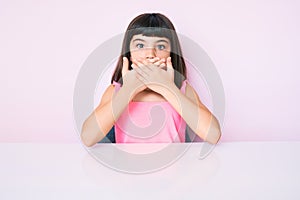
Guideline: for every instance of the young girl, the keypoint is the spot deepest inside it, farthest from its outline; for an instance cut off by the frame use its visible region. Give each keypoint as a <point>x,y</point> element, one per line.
<point>149,99</point>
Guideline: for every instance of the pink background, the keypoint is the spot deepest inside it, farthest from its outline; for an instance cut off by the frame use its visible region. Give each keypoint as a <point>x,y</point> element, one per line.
<point>255,47</point>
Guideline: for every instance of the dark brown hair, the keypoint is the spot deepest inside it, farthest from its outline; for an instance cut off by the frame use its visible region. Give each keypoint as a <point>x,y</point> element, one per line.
<point>157,25</point>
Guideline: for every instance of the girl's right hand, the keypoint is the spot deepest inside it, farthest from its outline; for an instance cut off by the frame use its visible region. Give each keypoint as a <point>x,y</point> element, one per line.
<point>130,80</point>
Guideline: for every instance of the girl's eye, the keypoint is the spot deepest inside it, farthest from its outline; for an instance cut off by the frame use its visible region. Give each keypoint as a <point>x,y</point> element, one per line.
<point>161,47</point>
<point>139,46</point>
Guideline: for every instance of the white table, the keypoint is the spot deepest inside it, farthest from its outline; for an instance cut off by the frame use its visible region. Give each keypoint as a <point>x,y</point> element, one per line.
<point>240,170</point>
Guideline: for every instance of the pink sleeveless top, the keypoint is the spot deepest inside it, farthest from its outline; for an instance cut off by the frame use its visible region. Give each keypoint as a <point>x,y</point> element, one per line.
<point>150,122</point>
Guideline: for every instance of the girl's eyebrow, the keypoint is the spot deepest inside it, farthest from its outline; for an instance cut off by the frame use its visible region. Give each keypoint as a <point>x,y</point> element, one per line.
<point>138,40</point>
<point>162,40</point>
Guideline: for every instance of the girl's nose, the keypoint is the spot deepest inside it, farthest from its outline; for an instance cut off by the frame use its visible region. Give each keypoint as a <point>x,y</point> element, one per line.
<point>150,53</point>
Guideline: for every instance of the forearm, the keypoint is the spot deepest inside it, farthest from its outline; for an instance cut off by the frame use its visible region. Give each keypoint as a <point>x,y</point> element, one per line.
<point>198,117</point>
<point>103,117</point>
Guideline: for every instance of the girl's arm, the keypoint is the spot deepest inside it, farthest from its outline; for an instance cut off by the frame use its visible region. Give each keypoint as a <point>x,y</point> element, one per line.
<point>188,105</point>
<point>196,115</point>
<point>98,124</point>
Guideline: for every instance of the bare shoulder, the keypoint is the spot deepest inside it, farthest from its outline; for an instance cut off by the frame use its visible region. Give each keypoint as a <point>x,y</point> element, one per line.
<point>107,95</point>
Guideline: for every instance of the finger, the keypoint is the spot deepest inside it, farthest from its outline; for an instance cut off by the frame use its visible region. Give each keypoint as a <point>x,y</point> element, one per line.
<point>141,72</point>
<point>138,62</point>
<point>146,66</point>
<point>141,78</point>
<point>145,62</point>
<point>134,66</point>
<point>143,65</point>
<point>169,64</point>
<point>125,66</point>
<point>162,66</point>
<point>160,61</point>
<point>153,60</point>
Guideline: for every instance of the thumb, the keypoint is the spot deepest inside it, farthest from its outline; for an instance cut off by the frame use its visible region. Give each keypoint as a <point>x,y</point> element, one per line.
<point>125,66</point>
<point>169,65</point>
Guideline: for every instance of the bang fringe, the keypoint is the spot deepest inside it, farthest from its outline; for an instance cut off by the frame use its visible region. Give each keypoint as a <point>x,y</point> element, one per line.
<point>152,32</point>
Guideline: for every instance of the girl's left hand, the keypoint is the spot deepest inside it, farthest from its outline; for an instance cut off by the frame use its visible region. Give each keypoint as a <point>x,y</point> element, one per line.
<point>156,74</point>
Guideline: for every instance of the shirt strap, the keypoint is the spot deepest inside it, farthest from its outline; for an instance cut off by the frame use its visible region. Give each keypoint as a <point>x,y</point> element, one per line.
<point>117,85</point>
<point>183,86</point>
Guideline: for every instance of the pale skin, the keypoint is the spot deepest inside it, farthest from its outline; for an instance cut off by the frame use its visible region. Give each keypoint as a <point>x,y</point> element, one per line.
<point>152,79</point>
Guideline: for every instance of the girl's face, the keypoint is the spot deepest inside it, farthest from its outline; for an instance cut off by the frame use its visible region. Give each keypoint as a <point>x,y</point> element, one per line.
<point>144,47</point>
